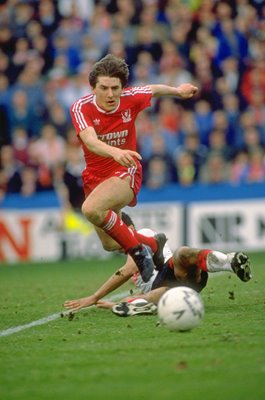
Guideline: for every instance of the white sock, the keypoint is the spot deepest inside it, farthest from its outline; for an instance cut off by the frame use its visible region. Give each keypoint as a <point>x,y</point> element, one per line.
<point>217,261</point>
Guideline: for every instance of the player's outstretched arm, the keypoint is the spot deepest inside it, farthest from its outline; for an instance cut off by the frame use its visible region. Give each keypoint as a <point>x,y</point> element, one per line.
<point>123,157</point>
<point>121,276</point>
<point>184,91</point>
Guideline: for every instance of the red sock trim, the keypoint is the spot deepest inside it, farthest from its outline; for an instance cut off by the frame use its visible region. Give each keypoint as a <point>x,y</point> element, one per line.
<point>149,241</point>
<point>119,231</point>
<point>170,263</point>
<point>202,259</point>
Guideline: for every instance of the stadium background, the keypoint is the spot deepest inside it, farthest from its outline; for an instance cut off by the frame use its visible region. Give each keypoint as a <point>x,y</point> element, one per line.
<point>204,165</point>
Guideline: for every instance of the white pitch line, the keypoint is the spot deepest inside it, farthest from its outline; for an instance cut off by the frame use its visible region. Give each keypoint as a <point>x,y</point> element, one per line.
<point>53,317</point>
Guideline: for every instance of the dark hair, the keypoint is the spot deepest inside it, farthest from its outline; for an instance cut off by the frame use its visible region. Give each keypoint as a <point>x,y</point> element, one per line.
<point>111,66</point>
<point>127,219</point>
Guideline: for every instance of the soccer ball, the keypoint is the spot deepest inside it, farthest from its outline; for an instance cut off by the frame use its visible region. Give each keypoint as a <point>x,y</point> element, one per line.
<point>180,309</point>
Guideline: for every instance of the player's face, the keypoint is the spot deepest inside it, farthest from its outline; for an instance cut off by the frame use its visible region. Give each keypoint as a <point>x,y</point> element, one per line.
<point>108,91</point>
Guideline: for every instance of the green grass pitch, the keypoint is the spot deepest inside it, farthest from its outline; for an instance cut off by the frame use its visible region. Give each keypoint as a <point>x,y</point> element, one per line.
<point>98,355</point>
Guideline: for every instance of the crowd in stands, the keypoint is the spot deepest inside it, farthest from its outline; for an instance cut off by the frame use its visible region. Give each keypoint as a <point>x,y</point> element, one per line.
<point>47,49</point>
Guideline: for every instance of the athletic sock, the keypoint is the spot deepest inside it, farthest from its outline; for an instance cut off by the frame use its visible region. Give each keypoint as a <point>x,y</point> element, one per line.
<point>119,231</point>
<point>149,241</point>
<point>213,261</point>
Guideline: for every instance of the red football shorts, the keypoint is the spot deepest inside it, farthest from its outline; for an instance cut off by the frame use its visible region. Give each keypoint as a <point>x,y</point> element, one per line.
<point>90,181</point>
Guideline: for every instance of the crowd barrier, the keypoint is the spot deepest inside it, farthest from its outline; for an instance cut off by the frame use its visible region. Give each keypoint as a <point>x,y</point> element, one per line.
<point>223,217</point>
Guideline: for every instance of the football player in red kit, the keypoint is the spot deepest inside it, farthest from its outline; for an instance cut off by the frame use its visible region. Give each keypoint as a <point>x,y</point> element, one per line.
<point>105,124</point>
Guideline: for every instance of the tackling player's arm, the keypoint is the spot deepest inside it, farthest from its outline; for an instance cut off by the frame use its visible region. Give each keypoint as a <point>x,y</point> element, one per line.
<point>121,276</point>
<point>184,91</point>
<point>123,157</point>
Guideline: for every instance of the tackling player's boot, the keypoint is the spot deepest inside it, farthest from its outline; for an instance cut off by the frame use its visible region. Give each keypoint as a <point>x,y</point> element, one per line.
<point>158,256</point>
<point>241,265</point>
<point>137,307</point>
<point>143,259</point>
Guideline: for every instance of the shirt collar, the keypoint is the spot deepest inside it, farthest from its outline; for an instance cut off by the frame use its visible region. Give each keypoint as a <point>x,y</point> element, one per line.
<point>101,109</point>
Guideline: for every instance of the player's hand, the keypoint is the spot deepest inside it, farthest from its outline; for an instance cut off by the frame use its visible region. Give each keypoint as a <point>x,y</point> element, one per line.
<point>105,304</point>
<point>75,305</point>
<point>126,157</point>
<point>186,91</point>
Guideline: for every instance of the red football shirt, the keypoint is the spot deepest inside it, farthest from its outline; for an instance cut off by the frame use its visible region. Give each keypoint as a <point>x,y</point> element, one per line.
<point>116,128</point>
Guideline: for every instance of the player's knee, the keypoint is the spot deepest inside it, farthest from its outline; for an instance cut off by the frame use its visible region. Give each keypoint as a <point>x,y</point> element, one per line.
<point>91,213</point>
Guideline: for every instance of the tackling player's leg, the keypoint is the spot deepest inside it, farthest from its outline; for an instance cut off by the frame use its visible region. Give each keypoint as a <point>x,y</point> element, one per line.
<point>212,261</point>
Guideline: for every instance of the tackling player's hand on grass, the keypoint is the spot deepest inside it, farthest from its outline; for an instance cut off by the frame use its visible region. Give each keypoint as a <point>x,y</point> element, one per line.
<point>75,305</point>
<point>105,304</point>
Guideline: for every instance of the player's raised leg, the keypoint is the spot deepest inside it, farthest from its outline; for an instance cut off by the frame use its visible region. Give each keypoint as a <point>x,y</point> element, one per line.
<point>102,207</point>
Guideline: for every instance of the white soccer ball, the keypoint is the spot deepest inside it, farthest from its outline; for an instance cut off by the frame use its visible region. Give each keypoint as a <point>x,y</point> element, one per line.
<point>180,309</point>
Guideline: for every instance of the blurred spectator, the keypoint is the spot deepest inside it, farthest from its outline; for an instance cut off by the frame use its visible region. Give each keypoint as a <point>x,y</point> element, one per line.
<point>179,35</point>
<point>121,23</point>
<point>231,108</point>
<point>193,146</point>
<point>253,79</point>
<point>48,16</point>
<point>22,12</point>
<point>172,68</point>
<point>251,139</point>
<point>20,143</point>
<point>246,121</point>
<point>146,41</point>
<point>231,73</point>
<point>81,8</point>
<point>4,126</point>
<point>20,57</point>
<point>204,120</point>
<point>43,48</point>
<point>148,19</point>
<point>238,167</point>
<point>4,90</point>
<point>67,91</point>
<point>157,173</point>
<point>21,114</point>
<point>220,122</point>
<point>215,170</point>
<point>255,169</point>
<point>218,144</point>
<point>100,27</point>
<point>89,50</point>
<point>206,82</point>
<point>231,42</point>
<point>48,149</point>
<point>72,176</point>
<point>64,50</point>
<point>58,119</point>
<point>156,142</point>
<point>7,40</point>
<point>32,181</point>
<point>29,80</point>
<point>3,185</point>
<point>141,75</point>
<point>9,170</point>
<point>188,124</point>
<point>185,169</point>
<point>257,109</point>
<point>144,59</point>
<point>169,115</point>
